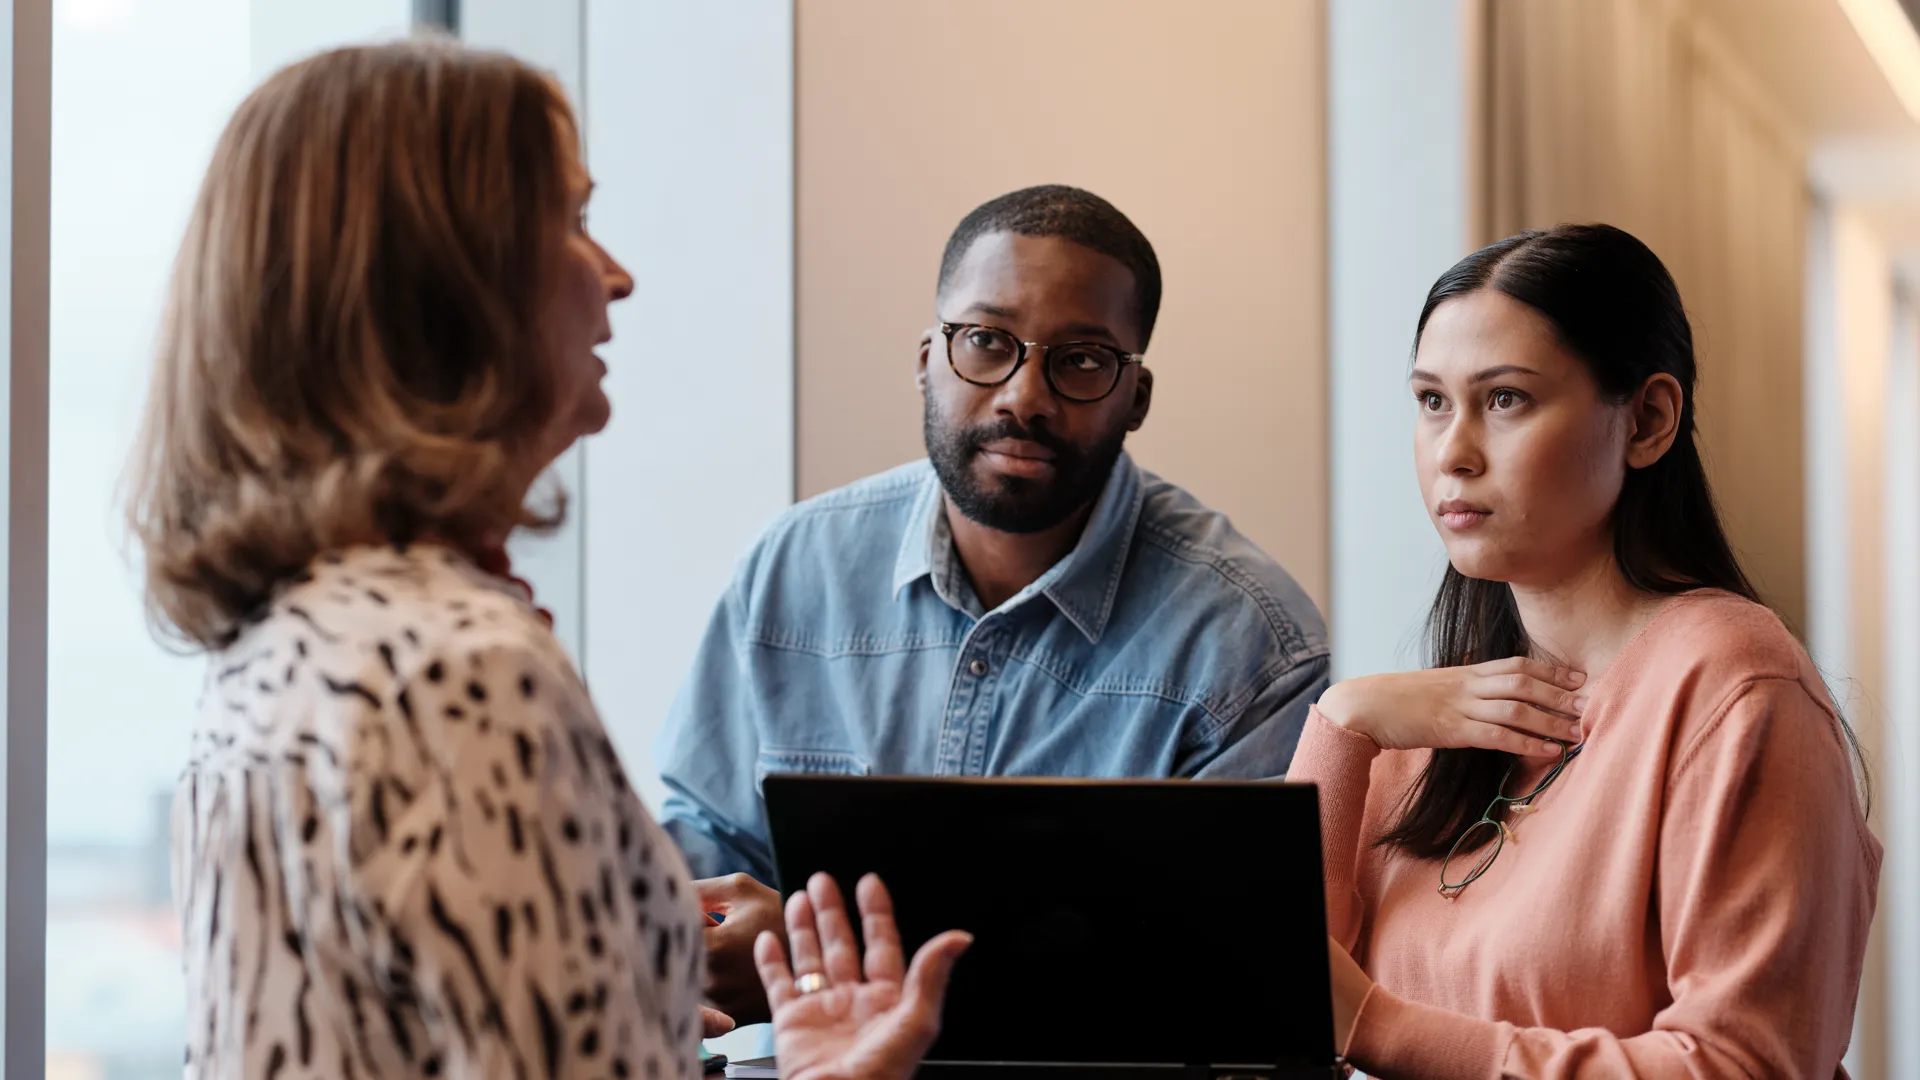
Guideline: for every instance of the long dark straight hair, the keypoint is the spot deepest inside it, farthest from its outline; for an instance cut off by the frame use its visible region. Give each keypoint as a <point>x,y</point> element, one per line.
<point>1612,304</point>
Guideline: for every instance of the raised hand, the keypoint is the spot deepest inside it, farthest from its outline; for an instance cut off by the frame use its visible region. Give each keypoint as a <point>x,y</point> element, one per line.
<point>837,1018</point>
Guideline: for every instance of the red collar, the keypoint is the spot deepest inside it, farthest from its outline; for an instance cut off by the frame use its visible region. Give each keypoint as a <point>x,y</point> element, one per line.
<point>494,561</point>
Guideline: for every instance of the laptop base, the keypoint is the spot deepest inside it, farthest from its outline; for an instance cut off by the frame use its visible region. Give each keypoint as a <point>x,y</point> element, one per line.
<point>766,1069</point>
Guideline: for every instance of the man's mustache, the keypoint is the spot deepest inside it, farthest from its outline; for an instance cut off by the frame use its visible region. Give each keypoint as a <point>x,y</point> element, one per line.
<point>1013,429</point>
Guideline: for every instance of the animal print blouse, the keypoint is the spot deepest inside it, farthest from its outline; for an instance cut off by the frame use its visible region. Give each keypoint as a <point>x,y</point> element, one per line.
<point>404,847</point>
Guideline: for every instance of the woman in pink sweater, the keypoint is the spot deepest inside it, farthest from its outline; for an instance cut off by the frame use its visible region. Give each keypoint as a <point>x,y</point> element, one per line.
<point>1687,890</point>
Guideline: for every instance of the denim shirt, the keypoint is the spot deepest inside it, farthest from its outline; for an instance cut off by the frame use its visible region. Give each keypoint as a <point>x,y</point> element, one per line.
<point>850,641</point>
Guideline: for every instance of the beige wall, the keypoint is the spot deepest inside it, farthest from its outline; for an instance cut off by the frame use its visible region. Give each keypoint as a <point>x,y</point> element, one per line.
<point>1863,286</point>
<point>1631,112</point>
<point>1202,122</point>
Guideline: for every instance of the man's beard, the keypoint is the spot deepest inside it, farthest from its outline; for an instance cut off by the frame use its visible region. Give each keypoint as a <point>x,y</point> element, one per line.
<point>1016,504</point>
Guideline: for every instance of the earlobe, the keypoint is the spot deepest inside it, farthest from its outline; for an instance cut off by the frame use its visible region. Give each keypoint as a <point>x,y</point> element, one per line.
<point>1142,400</point>
<point>1656,420</point>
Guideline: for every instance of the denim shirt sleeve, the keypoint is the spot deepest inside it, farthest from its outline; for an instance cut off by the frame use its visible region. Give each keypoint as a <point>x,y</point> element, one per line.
<point>1259,744</point>
<point>707,750</point>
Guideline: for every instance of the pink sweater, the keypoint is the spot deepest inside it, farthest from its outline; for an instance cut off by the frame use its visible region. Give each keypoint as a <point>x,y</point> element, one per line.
<point>1689,899</point>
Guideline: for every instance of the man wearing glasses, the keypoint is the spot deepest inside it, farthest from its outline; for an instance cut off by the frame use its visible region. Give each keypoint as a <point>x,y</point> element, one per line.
<point>1026,601</point>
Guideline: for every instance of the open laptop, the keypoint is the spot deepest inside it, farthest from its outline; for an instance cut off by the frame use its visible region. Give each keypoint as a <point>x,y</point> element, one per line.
<point>1121,927</point>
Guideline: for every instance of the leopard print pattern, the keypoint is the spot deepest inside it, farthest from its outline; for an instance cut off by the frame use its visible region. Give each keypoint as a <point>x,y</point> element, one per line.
<point>405,847</point>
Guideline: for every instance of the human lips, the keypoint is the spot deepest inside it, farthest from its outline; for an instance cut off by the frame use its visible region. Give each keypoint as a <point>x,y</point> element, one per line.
<point>1459,514</point>
<point>1018,457</point>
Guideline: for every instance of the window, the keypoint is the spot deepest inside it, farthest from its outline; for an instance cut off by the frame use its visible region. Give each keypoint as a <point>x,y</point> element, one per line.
<point>141,91</point>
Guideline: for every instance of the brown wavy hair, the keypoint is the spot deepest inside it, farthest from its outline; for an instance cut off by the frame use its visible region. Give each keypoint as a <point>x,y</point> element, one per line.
<point>349,352</point>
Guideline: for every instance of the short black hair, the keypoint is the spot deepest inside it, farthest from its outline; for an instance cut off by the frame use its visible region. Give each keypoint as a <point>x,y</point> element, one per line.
<point>1070,214</point>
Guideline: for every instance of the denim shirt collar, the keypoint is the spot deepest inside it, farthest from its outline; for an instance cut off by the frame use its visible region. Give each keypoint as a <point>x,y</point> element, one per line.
<point>1082,585</point>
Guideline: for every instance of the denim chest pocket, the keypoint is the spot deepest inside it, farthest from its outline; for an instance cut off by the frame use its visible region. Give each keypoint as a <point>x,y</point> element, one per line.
<point>810,762</point>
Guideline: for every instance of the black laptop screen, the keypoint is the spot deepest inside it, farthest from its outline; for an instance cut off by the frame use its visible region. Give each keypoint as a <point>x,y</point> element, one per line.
<point>1140,922</point>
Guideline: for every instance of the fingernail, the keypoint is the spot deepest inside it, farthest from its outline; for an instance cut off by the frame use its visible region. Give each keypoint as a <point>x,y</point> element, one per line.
<point>1577,677</point>
<point>1573,732</point>
<point>1580,703</point>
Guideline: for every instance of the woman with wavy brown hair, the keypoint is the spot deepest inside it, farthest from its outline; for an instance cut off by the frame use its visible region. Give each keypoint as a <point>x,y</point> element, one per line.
<point>404,845</point>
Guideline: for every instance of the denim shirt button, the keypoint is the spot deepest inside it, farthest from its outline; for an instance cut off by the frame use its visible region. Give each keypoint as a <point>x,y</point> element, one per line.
<point>978,667</point>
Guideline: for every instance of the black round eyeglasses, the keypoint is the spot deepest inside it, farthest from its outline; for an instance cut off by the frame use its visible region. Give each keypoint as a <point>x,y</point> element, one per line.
<point>1083,371</point>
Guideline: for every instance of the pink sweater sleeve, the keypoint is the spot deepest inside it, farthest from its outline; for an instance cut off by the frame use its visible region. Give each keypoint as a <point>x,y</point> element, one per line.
<point>1339,763</point>
<point>1766,880</point>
